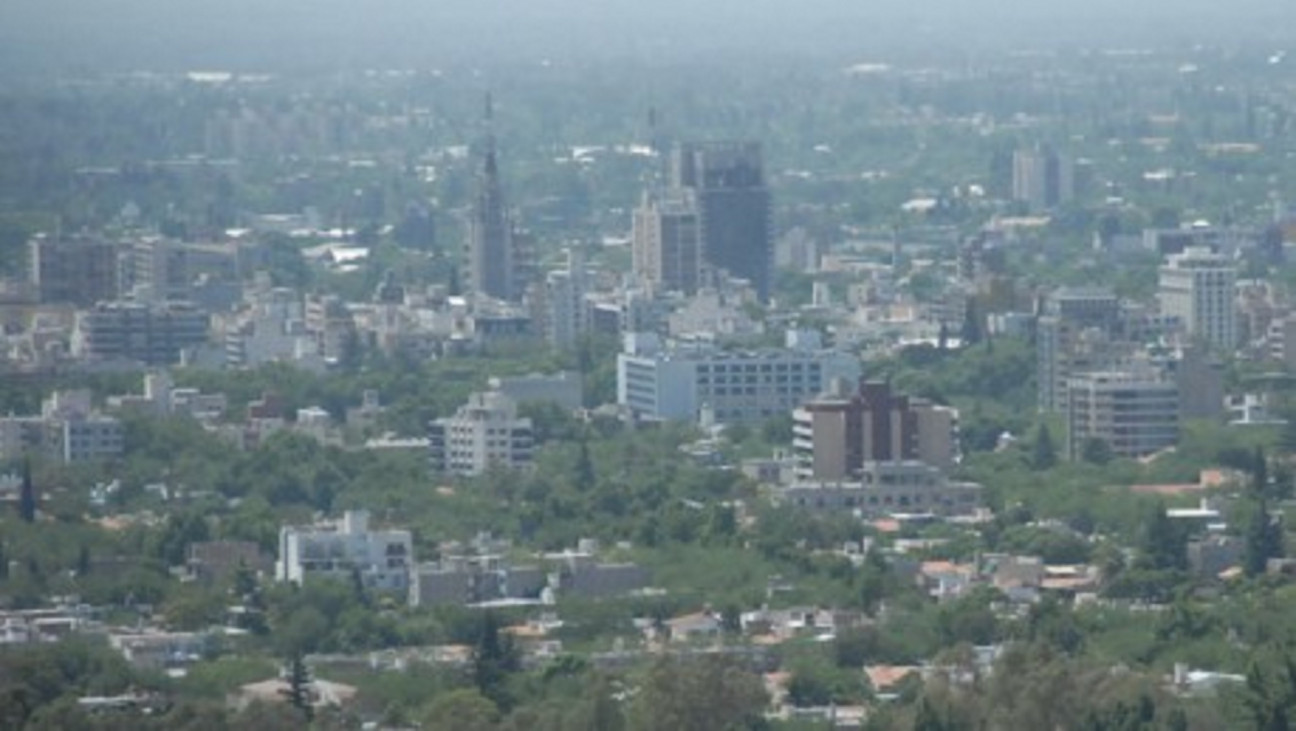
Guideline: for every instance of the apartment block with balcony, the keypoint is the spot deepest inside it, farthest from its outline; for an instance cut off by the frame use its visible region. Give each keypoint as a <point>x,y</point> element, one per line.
<point>340,549</point>
<point>1136,412</point>
<point>486,432</point>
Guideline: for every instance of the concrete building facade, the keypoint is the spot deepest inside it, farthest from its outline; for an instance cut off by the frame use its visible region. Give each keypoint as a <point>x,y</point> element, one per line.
<point>486,432</point>
<point>82,271</point>
<point>1042,178</point>
<point>1074,333</point>
<point>1199,287</point>
<point>887,488</point>
<point>699,381</point>
<point>339,549</point>
<point>1136,413</point>
<point>156,334</point>
<point>666,243</point>
<point>837,433</point>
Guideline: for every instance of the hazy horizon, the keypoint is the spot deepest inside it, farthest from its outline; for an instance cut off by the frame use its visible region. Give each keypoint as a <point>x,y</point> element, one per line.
<point>58,35</point>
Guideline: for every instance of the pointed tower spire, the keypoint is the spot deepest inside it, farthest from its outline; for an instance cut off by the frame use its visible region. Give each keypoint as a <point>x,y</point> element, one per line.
<point>490,232</point>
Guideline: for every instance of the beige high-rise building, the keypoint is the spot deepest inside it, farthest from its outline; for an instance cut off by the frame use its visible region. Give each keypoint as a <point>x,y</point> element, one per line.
<point>1042,179</point>
<point>1199,287</point>
<point>667,241</point>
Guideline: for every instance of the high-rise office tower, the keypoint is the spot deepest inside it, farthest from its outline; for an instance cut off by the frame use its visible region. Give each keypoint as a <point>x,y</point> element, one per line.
<point>1074,334</point>
<point>1199,287</point>
<point>1042,179</point>
<point>667,241</point>
<point>733,202</point>
<point>80,270</point>
<point>492,247</point>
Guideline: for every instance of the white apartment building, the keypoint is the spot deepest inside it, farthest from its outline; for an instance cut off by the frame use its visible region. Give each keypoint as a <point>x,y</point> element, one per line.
<point>336,549</point>
<point>563,313</point>
<point>1199,287</point>
<point>484,432</point>
<point>1135,412</point>
<point>695,380</point>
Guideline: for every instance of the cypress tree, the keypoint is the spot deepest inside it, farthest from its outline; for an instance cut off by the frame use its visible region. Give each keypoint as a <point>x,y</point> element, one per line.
<point>298,690</point>
<point>1260,472</point>
<point>1044,455</point>
<point>585,478</point>
<point>27,495</point>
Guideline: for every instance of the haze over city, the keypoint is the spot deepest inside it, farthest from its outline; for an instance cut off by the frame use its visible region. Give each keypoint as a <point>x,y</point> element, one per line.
<point>62,34</point>
<point>454,365</point>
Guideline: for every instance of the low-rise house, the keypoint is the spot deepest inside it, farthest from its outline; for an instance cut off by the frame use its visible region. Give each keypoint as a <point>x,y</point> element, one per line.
<point>322,693</point>
<point>154,650</point>
<point>1014,572</point>
<point>23,626</point>
<point>216,561</point>
<point>1185,681</point>
<point>1070,580</point>
<point>945,579</point>
<point>887,678</point>
<point>696,627</point>
<point>782,624</point>
<point>1211,555</point>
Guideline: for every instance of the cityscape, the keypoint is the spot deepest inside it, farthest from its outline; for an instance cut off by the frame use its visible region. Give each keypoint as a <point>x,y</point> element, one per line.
<point>828,368</point>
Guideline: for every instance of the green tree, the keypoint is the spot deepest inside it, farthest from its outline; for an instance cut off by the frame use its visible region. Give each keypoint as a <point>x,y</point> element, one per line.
<point>698,694</point>
<point>1043,451</point>
<point>807,689</point>
<point>973,331</point>
<point>1096,451</point>
<point>1262,536</point>
<point>585,477</point>
<point>598,708</point>
<point>27,495</point>
<point>1164,545</point>
<point>1260,472</point>
<point>298,692</point>
<point>495,657</point>
<point>465,709</point>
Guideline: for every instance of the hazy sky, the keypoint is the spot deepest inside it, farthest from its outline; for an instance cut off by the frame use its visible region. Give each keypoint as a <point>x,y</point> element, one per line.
<point>265,33</point>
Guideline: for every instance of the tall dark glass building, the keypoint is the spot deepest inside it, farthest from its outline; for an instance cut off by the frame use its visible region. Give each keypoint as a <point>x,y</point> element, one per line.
<point>728,182</point>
